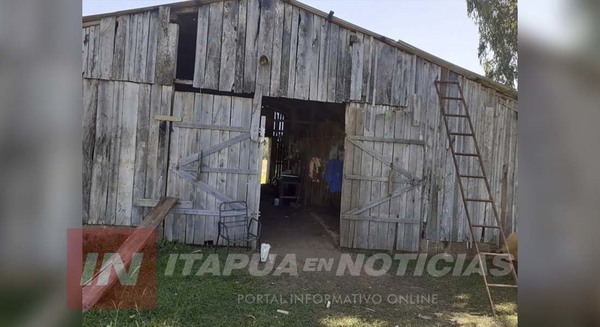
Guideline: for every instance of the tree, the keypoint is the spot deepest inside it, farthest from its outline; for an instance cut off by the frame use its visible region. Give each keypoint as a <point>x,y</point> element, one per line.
<point>498,42</point>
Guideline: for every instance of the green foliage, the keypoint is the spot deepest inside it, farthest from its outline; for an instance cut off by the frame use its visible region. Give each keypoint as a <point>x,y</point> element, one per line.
<point>498,41</point>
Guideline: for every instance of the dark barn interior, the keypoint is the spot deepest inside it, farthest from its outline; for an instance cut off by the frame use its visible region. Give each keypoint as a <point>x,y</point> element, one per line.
<point>302,162</point>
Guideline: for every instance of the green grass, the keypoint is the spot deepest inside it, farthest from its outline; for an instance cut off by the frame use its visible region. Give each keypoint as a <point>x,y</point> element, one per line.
<point>213,301</point>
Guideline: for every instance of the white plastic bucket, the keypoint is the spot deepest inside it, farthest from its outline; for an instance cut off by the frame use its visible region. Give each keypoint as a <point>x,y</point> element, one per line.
<point>264,252</point>
<point>276,202</point>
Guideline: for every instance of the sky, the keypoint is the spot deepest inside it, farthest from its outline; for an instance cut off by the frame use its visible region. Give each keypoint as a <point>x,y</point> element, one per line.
<point>440,27</point>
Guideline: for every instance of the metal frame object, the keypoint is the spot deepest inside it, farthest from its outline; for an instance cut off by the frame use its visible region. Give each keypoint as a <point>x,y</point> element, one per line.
<point>233,218</point>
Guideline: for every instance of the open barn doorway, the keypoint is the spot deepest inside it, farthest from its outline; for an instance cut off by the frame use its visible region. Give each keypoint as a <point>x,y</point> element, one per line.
<point>302,172</point>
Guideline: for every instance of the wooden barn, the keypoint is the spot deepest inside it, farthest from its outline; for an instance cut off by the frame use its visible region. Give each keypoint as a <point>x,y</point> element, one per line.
<point>208,100</point>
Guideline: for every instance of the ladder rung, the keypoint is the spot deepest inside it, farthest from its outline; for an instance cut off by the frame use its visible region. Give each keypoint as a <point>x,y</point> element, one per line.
<point>466,154</point>
<point>471,176</point>
<point>485,226</point>
<point>462,134</point>
<point>503,285</point>
<point>452,98</point>
<point>495,254</point>
<point>455,115</point>
<point>478,200</point>
<point>446,82</point>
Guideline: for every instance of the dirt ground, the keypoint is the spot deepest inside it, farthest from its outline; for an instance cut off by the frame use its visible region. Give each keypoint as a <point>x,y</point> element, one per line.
<point>310,233</point>
<point>314,232</point>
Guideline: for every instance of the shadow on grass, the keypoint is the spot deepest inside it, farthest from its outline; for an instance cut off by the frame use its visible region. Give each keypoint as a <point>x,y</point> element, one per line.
<point>219,300</point>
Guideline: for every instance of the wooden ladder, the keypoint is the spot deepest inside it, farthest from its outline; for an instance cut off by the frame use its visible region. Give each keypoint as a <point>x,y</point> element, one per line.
<point>442,88</point>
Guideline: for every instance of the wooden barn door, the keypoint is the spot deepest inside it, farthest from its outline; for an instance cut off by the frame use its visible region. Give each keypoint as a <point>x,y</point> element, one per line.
<point>383,173</point>
<point>215,157</point>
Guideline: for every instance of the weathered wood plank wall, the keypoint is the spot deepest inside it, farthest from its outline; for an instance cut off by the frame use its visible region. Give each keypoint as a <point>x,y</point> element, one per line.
<point>280,50</point>
<point>495,121</point>
<point>382,191</point>
<point>210,165</point>
<point>124,149</point>
<point>136,48</point>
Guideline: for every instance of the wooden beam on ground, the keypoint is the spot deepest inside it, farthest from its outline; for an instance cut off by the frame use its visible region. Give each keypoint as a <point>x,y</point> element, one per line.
<point>92,293</point>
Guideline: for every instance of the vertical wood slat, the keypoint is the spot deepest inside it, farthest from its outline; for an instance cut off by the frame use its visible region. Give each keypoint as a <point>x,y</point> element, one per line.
<point>175,152</point>
<point>93,52</point>
<point>366,168</point>
<point>340,78</point>
<point>397,92</point>
<point>303,56</point>
<point>293,52</point>
<point>185,223</point>
<point>127,155</point>
<point>202,227</point>
<point>331,63</point>
<point>150,73</point>
<point>278,44</point>
<point>162,42</point>
<point>238,84</point>
<point>404,231</point>
<point>180,107</point>
<point>255,158</point>
<point>166,53</point>
<point>107,44</point>
<point>244,151</point>
<point>387,231</point>
<point>357,196</point>
<point>386,66</point>
<point>130,48</point>
<point>213,161</point>
<point>430,205</point>
<point>344,67</point>
<point>114,118</point>
<point>228,46</point>
<point>255,179</point>
<point>201,46</point>
<point>409,157</point>
<point>398,204</point>
<point>374,237</point>
<point>90,98</point>
<point>356,76</point>
<point>213,52</point>
<point>101,156</point>
<point>119,57</point>
<point>233,152</point>
<point>313,72</point>
<point>141,150</point>
<point>141,53</point>
<point>223,117</point>
<point>367,65</point>
<point>265,46</point>
<point>251,60</point>
<point>322,74</point>
<point>154,189</point>
<point>345,205</point>
<point>356,161</point>
<point>85,34</point>
<point>195,102</point>
<point>414,199</point>
<point>286,41</point>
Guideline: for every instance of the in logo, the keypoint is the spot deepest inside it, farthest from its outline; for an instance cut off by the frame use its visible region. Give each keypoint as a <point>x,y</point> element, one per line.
<point>108,269</point>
